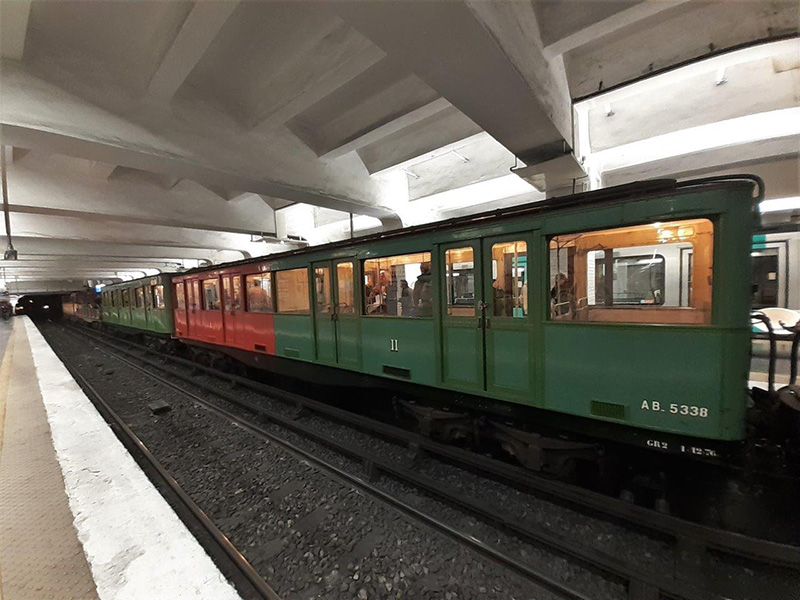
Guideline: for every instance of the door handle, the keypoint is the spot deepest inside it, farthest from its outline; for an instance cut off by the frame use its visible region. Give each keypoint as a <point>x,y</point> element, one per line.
<point>480,322</point>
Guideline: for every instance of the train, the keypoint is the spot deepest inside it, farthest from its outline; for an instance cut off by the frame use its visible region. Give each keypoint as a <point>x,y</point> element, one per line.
<point>619,315</point>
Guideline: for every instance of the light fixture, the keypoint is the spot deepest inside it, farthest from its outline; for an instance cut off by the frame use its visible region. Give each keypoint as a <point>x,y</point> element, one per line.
<point>731,132</point>
<point>498,188</point>
<point>777,204</point>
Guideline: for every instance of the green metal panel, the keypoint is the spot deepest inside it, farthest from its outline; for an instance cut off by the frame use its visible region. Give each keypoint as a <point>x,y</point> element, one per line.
<point>462,353</point>
<point>294,336</point>
<point>160,320</point>
<point>125,315</point>
<point>138,315</point>
<point>508,361</point>
<point>414,359</point>
<point>637,366</point>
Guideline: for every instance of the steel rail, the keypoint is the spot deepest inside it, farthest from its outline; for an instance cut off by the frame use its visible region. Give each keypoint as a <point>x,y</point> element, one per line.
<point>543,581</point>
<point>681,530</point>
<point>132,441</point>
<point>642,584</point>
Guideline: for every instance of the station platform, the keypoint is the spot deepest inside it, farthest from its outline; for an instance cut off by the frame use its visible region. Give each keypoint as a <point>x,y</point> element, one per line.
<point>78,517</point>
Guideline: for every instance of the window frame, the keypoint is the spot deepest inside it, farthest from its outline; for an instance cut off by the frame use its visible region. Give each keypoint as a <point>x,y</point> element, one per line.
<point>336,299</point>
<point>710,319</point>
<point>163,296</point>
<point>180,295</point>
<point>363,289</point>
<point>271,295</point>
<point>638,256</point>
<point>139,296</point>
<point>203,298</point>
<point>309,301</point>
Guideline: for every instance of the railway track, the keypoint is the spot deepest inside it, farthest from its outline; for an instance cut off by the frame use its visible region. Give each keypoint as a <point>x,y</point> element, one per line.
<point>157,473</point>
<point>642,584</point>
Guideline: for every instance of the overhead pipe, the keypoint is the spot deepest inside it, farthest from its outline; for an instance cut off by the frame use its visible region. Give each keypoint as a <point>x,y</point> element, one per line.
<point>10,253</point>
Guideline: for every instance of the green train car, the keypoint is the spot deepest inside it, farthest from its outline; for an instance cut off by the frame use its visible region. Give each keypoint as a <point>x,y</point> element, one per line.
<point>618,314</point>
<point>144,304</point>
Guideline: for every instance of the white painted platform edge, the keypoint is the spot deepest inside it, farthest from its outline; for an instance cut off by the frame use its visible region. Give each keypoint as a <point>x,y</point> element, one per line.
<point>135,544</point>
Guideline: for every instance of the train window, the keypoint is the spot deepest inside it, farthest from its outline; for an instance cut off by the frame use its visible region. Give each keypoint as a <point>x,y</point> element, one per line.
<point>148,297</point>
<point>211,294</point>
<point>237,292</point>
<point>158,297</point>
<point>226,293</point>
<point>653,273</point>
<point>292,291</point>
<point>399,286</point>
<point>180,298</point>
<point>194,294</point>
<point>322,289</point>
<point>139,296</point>
<point>460,282</point>
<point>510,279</point>
<point>345,288</point>
<point>126,298</point>
<point>259,293</point>
<point>635,279</point>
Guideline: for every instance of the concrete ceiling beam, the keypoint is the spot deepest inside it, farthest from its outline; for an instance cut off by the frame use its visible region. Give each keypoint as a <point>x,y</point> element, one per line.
<point>607,26</point>
<point>194,37</point>
<point>437,133</point>
<point>133,234</point>
<point>14,28</point>
<point>39,247</point>
<point>163,180</point>
<point>92,150</point>
<point>489,64</point>
<point>682,33</point>
<point>276,203</point>
<point>36,113</point>
<point>393,126</point>
<point>112,218</point>
<point>322,88</point>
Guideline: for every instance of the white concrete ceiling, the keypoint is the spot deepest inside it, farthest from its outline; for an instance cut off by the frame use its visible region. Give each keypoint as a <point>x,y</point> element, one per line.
<point>156,134</point>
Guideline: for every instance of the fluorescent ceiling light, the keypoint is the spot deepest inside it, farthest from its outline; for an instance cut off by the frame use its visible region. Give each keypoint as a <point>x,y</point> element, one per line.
<point>776,204</point>
<point>478,193</point>
<point>731,132</point>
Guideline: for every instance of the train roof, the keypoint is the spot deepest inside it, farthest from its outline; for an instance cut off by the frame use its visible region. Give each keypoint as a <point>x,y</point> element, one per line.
<point>637,190</point>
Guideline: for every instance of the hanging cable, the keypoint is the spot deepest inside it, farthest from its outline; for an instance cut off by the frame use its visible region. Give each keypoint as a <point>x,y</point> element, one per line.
<point>10,254</point>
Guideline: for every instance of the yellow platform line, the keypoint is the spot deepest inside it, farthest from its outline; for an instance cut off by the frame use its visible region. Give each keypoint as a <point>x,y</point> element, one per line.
<point>5,377</point>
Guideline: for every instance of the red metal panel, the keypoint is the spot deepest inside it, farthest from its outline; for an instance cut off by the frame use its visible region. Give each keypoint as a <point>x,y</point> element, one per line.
<point>235,328</point>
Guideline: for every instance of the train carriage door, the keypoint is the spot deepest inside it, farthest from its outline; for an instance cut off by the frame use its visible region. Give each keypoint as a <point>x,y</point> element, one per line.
<point>462,306</point>
<point>193,315</point>
<point>231,301</point>
<point>508,324</point>
<point>324,313</point>
<point>179,313</point>
<point>346,313</point>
